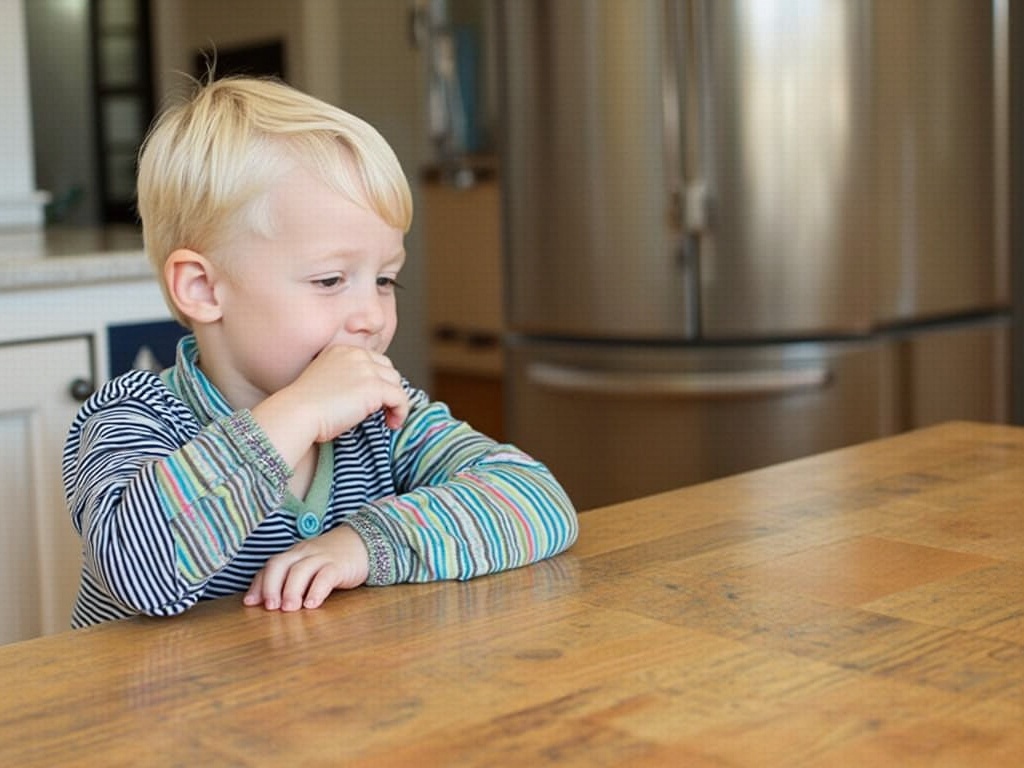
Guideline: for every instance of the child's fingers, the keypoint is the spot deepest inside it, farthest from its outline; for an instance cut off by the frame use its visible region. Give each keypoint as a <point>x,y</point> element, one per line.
<point>301,575</point>
<point>396,409</point>
<point>254,595</point>
<point>324,582</point>
<point>268,584</point>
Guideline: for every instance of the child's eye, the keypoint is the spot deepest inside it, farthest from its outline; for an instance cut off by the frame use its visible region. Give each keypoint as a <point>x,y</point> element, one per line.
<point>387,282</point>
<point>328,282</point>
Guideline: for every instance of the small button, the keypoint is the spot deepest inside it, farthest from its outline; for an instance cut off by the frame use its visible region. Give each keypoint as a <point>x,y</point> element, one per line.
<point>309,525</point>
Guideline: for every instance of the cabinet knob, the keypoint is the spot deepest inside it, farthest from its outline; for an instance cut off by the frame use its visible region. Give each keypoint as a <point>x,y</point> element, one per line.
<point>80,389</point>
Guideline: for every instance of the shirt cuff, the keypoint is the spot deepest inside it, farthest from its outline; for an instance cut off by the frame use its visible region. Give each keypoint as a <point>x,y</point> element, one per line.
<point>253,444</point>
<point>383,567</point>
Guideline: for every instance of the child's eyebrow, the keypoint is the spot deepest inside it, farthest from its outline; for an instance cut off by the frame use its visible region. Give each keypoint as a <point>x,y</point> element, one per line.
<point>331,258</point>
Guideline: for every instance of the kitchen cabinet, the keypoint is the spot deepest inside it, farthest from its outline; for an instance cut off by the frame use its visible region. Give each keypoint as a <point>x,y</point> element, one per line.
<point>55,348</point>
<point>39,551</point>
<point>465,297</point>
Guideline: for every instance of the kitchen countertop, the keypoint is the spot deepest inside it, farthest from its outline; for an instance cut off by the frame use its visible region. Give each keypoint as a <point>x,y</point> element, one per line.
<point>859,607</point>
<point>60,257</point>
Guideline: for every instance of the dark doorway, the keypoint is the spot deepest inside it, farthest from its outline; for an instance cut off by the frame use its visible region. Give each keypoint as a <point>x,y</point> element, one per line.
<point>257,59</point>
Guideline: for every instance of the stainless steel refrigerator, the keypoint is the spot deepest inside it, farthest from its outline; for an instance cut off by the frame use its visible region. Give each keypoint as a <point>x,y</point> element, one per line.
<point>737,232</point>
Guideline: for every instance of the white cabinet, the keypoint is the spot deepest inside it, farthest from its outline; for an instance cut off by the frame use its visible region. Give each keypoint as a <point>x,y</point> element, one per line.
<point>40,554</point>
<point>51,338</point>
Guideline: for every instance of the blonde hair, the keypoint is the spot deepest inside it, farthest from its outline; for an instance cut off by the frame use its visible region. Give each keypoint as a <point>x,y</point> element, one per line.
<point>207,165</point>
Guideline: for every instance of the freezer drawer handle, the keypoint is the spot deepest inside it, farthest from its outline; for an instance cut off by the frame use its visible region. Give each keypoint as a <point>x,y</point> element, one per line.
<point>755,383</point>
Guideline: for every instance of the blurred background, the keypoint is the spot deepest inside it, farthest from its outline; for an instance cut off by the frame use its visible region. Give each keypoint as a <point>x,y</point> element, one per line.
<point>792,202</point>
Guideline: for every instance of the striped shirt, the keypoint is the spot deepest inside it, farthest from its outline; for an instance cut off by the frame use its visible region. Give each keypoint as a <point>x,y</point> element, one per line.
<point>179,498</point>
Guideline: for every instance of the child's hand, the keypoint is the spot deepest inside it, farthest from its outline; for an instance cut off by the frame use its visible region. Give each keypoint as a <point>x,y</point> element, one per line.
<point>337,391</point>
<point>347,384</point>
<point>303,576</point>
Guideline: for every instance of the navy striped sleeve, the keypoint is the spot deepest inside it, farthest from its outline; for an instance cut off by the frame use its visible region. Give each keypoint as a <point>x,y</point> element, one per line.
<point>162,504</point>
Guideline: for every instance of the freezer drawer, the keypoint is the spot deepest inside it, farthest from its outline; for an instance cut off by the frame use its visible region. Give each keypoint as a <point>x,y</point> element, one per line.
<point>954,371</point>
<point>616,422</point>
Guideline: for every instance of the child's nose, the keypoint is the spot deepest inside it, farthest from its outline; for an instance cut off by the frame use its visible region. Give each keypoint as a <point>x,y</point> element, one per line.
<point>366,316</point>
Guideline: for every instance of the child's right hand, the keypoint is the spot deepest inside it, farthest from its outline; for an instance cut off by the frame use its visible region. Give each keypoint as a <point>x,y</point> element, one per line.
<point>347,384</point>
<point>338,390</point>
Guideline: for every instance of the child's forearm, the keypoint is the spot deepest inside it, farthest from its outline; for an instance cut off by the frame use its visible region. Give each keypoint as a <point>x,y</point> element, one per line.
<point>470,506</point>
<point>283,421</point>
<point>488,519</point>
<point>216,489</point>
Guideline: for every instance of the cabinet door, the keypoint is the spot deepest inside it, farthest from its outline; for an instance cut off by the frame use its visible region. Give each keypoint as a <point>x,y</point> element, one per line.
<point>40,554</point>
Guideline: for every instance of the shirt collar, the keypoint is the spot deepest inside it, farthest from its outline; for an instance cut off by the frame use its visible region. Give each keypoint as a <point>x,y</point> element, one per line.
<point>191,384</point>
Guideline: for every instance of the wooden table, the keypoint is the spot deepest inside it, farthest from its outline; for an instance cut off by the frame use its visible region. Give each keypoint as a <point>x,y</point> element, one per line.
<point>863,607</point>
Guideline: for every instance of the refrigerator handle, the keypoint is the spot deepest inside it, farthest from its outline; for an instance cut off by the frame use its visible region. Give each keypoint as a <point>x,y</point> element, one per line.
<point>682,100</point>
<point>686,81</point>
<point>702,385</point>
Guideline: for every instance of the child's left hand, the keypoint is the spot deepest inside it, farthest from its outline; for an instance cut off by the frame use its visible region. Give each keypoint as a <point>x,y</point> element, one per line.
<point>303,576</point>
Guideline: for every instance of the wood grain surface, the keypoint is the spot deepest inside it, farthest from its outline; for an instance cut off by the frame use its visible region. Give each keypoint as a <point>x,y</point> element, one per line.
<point>864,607</point>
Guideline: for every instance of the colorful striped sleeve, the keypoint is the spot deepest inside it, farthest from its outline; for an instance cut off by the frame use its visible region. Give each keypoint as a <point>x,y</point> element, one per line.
<point>466,505</point>
<point>162,504</point>
<point>216,490</point>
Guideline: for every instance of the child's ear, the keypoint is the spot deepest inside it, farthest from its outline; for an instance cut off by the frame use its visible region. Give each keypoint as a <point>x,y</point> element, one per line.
<point>190,283</point>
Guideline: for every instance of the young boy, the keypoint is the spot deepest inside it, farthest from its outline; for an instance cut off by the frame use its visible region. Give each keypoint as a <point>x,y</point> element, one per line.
<point>283,456</point>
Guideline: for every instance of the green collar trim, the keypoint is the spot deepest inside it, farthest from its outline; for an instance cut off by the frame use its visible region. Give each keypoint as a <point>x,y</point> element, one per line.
<point>309,513</point>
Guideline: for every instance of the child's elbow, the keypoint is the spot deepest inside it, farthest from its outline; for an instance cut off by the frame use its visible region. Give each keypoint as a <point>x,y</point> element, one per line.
<point>562,520</point>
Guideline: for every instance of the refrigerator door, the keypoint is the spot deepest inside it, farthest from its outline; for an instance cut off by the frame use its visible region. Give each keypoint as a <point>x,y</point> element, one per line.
<point>856,161</point>
<point>787,142</point>
<point>941,186</point>
<point>616,422</point>
<point>751,169</point>
<point>591,170</point>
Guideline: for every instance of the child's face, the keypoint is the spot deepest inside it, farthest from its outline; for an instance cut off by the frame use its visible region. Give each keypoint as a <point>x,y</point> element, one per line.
<point>326,277</point>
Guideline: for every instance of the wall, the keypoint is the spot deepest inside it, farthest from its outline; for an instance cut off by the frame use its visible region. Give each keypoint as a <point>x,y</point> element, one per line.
<point>182,27</point>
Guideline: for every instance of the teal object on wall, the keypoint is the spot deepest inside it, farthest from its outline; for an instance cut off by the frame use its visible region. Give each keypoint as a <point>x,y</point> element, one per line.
<point>467,70</point>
